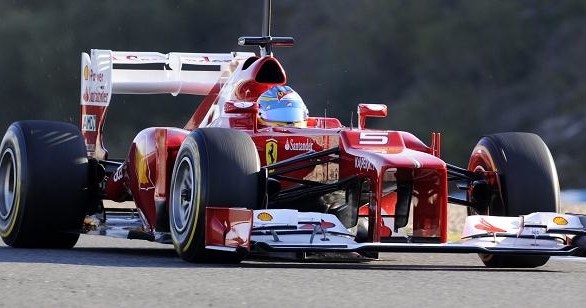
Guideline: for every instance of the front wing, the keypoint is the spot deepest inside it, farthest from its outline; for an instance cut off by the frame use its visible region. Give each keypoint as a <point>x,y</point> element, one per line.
<point>292,231</point>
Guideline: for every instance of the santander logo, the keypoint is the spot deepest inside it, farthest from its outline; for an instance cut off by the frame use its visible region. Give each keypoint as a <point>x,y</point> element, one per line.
<point>291,145</point>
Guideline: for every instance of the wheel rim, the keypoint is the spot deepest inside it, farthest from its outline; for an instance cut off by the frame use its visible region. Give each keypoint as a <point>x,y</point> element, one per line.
<point>7,183</point>
<point>479,169</point>
<point>479,164</point>
<point>183,195</point>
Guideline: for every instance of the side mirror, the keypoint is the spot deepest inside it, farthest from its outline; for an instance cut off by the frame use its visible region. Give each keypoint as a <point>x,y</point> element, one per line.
<point>250,108</point>
<point>241,107</point>
<point>370,110</point>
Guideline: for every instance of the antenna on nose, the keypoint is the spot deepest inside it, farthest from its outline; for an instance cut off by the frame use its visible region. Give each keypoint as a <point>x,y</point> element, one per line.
<point>266,42</point>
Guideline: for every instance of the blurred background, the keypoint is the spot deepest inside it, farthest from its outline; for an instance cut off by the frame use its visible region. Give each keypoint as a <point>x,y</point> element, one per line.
<point>462,68</point>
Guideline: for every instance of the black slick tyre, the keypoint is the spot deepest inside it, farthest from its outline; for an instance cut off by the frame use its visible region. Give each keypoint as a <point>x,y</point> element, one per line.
<point>214,167</point>
<point>527,183</point>
<point>43,184</point>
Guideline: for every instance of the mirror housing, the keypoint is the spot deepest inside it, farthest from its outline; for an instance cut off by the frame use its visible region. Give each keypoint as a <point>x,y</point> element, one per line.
<point>250,108</point>
<point>372,111</point>
<point>241,107</point>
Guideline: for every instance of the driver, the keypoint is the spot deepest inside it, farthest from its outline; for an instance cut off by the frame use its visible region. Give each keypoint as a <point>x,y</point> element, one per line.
<point>281,106</point>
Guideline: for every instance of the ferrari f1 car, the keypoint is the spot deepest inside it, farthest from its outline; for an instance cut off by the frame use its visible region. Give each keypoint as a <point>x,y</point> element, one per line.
<point>251,173</point>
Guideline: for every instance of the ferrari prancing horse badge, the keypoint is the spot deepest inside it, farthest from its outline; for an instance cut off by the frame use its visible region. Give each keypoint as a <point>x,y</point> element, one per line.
<point>271,151</point>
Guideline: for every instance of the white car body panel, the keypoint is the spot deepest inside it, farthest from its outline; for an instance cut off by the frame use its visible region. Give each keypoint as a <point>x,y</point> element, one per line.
<point>99,78</point>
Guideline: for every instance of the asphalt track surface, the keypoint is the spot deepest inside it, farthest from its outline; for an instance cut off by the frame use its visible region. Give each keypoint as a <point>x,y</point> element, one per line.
<point>103,272</point>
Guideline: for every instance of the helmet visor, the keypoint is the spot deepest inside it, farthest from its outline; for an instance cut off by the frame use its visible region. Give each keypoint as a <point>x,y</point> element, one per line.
<point>284,114</point>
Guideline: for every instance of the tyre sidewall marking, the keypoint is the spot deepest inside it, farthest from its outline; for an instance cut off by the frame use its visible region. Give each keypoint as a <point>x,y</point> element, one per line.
<point>485,153</point>
<point>16,149</point>
<point>189,146</point>
<point>197,175</point>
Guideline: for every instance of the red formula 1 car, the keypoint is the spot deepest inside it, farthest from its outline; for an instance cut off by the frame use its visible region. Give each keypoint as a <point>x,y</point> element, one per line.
<point>252,174</point>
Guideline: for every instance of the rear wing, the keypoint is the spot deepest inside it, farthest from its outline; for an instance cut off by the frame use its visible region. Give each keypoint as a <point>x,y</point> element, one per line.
<point>108,72</point>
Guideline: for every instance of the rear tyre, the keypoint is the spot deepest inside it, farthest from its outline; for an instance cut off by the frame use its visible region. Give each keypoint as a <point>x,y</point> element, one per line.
<point>43,184</point>
<point>527,183</point>
<point>214,167</point>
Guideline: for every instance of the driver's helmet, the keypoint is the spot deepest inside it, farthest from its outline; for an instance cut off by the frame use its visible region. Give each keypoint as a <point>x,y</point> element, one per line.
<point>281,106</point>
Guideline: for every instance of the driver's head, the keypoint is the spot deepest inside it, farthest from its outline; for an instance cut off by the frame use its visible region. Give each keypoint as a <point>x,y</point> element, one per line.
<point>281,106</point>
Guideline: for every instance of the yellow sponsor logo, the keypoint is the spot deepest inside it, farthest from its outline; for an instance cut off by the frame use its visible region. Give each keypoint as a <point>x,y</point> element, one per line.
<point>264,216</point>
<point>86,73</point>
<point>141,167</point>
<point>560,221</point>
<point>271,151</point>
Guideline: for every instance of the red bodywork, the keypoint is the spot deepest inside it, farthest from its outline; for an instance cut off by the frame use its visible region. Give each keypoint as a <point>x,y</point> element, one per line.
<point>368,154</point>
<point>227,227</point>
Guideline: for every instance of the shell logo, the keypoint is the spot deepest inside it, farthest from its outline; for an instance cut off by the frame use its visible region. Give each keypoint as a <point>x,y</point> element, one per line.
<point>264,216</point>
<point>86,95</point>
<point>560,221</point>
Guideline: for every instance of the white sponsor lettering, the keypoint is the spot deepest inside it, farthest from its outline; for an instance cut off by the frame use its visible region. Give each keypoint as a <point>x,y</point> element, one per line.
<point>204,59</point>
<point>95,96</point>
<point>96,77</point>
<point>88,123</point>
<point>118,174</point>
<point>374,138</point>
<point>362,163</point>
<point>306,146</point>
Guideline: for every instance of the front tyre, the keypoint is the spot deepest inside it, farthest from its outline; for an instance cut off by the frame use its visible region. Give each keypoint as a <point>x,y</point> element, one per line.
<point>43,184</point>
<point>214,167</point>
<point>527,183</point>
